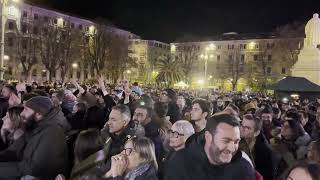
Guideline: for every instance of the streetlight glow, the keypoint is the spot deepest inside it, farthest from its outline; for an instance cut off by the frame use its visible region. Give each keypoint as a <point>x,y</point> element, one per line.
<point>16,1</point>
<point>75,65</point>
<point>201,56</point>
<point>128,71</point>
<point>6,57</point>
<point>201,81</point>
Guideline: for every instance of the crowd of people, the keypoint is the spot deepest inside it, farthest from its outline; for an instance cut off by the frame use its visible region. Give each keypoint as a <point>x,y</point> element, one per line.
<point>126,132</point>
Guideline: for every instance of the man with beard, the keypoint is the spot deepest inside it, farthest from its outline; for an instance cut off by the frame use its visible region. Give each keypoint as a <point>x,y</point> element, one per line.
<point>45,151</point>
<point>215,157</point>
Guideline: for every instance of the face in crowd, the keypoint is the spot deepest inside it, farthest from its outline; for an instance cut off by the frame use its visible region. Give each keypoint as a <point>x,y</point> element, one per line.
<point>196,113</point>
<point>266,119</point>
<point>248,130</point>
<point>164,97</point>
<point>117,122</point>
<point>141,115</point>
<point>223,144</point>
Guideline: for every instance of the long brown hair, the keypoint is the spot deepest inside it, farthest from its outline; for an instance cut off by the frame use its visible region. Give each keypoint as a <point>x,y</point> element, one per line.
<point>14,116</point>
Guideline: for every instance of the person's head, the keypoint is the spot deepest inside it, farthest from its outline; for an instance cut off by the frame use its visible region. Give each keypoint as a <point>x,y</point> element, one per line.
<point>57,98</point>
<point>143,115</point>
<point>161,109</point>
<point>12,121</point>
<point>276,113</point>
<point>139,150</point>
<point>7,90</point>
<point>222,138</point>
<point>119,118</point>
<point>88,142</point>
<point>314,151</point>
<point>220,102</point>
<point>304,171</point>
<point>35,109</point>
<point>250,127</point>
<point>291,130</point>
<point>181,102</point>
<point>179,133</point>
<point>168,95</point>
<point>266,116</point>
<point>201,109</point>
<point>304,118</point>
<point>80,107</point>
<point>28,96</point>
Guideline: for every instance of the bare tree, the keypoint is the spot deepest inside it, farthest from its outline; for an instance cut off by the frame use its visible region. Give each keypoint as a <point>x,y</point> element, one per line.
<point>187,58</point>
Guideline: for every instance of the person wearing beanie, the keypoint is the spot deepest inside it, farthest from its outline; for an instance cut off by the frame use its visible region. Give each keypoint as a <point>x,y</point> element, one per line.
<point>42,150</point>
<point>169,97</point>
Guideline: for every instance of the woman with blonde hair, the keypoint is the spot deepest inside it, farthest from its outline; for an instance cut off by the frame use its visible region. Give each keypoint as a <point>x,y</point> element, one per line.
<point>137,161</point>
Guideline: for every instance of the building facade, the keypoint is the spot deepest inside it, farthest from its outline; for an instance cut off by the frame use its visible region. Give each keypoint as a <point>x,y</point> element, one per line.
<point>23,26</point>
<point>147,53</point>
<point>243,59</point>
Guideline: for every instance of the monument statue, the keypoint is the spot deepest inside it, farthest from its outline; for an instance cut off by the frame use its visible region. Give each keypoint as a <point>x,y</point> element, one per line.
<point>312,31</point>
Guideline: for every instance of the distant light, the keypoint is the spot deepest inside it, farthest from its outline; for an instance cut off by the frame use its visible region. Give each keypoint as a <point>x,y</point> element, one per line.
<point>6,57</point>
<point>201,56</point>
<point>211,55</point>
<point>212,46</point>
<point>207,48</point>
<point>252,45</point>
<point>294,95</point>
<point>91,29</point>
<point>16,1</point>
<point>44,70</point>
<point>128,71</point>
<point>210,77</point>
<point>206,57</point>
<point>75,65</point>
<point>173,48</point>
<point>285,100</point>
<point>200,81</point>
<point>60,22</point>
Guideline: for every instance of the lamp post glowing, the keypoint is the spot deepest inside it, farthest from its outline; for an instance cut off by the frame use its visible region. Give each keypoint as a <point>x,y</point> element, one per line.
<point>75,65</point>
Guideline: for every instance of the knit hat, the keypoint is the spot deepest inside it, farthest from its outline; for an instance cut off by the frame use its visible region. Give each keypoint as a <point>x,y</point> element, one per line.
<point>40,104</point>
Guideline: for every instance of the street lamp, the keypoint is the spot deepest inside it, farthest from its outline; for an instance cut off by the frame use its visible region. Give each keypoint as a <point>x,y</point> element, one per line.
<point>128,71</point>
<point>75,65</point>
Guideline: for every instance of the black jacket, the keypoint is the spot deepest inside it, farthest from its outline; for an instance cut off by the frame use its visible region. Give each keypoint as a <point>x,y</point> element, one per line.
<point>192,164</point>
<point>173,112</point>
<point>266,161</point>
<point>4,105</point>
<point>44,154</point>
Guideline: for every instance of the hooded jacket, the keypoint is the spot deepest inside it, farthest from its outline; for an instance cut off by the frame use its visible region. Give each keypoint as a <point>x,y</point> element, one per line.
<point>192,164</point>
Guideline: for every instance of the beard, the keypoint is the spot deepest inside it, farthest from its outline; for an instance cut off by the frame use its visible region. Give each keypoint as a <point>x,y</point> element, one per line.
<point>29,123</point>
<point>221,156</point>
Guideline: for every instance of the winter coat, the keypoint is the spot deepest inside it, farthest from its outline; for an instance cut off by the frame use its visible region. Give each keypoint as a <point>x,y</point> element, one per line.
<point>44,155</point>
<point>152,131</point>
<point>173,112</point>
<point>77,120</point>
<point>265,160</point>
<point>192,164</point>
<point>61,119</point>
<point>95,118</point>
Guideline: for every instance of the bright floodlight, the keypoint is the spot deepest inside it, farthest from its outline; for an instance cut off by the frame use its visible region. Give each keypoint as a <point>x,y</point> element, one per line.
<point>200,81</point>
<point>128,71</point>
<point>75,65</point>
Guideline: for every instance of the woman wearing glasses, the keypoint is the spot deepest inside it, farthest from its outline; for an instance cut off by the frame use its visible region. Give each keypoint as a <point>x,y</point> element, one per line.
<point>137,161</point>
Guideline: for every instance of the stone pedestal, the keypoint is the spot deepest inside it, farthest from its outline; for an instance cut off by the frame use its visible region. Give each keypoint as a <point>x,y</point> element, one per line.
<point>308,65</point>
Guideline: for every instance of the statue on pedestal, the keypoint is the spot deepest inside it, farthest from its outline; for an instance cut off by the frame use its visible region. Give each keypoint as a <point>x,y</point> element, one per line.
<point>312,31</point>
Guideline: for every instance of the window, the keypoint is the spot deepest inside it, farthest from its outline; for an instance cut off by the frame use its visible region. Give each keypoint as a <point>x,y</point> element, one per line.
<point>218,58</point>
<point>230,57</point>
<point>64,23</point>
<point>241,46</point>
<point>46,19</point>
<point>45,31</point>
<point>11,25</point>
<point>269,70</point>
<point>255,57</point>
<point>10,41</point>
<point>55,21</point>
<point>257,46</point>
<point>80,27</point>
<point>36,16</point>
<point>24,44</point>
<point>35,30</point>
<point>283,70</point>
<point>219,46</point>
<point>242,59</point>
<point>269,57</point>
<point>25,14</point>
<point>24,28</point>
<point>72,25</point>
<point>270,45</point>
<point>244,46</point>
<point>230,46</point>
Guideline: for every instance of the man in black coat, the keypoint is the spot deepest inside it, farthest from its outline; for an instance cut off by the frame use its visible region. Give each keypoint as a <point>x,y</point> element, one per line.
<point>44,154</point>
<point>215,157</point>
<point>255,144</point>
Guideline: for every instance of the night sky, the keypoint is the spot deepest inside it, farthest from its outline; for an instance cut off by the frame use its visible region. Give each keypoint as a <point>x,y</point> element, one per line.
<point>169,20</point>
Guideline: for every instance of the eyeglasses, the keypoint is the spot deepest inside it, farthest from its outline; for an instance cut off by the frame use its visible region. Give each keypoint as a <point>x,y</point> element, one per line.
<point>128,151</point>
<point>164,94</point>
<point>174,134</point>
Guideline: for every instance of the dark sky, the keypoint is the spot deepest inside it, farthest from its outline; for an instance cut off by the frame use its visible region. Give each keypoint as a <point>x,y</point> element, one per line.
<point>167,20</point>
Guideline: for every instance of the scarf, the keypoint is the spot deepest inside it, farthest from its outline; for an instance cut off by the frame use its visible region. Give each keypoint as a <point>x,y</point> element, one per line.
<point>137,172</point>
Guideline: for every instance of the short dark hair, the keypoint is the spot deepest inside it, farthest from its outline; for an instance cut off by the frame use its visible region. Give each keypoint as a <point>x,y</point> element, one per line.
<point>234,107</point>
<point>123,109</point>
<point>149,110</point>
<point>257,121</point>
<point>267,110</point>
<point>205,106</point>
<point>218,118</point>
<point>161,109</point>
